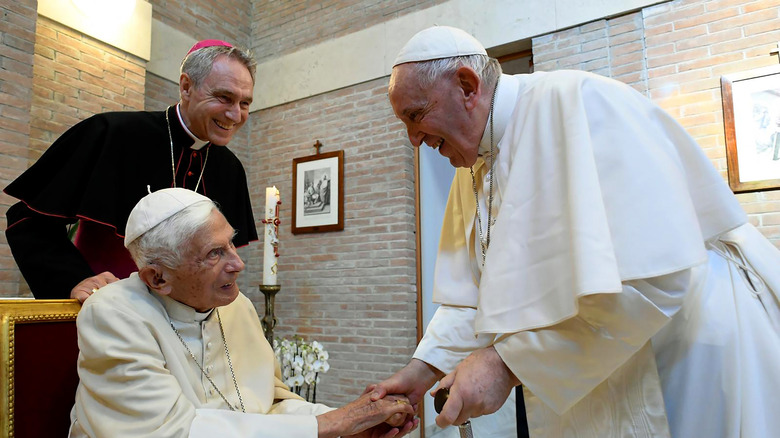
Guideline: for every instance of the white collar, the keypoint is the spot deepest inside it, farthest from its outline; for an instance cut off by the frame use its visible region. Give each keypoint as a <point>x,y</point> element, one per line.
<point>502,110</point>
<point>181,312</point>
<point>198,142</point>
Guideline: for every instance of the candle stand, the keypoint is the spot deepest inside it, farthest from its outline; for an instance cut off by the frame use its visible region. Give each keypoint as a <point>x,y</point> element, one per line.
<point>268,320</point>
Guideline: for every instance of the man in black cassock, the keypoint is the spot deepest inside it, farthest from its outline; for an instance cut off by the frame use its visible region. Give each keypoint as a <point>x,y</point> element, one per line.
<point>98,170</point>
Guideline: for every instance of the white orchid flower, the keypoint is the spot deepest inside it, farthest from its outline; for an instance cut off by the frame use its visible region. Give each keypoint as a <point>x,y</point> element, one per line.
<point>297,380</point>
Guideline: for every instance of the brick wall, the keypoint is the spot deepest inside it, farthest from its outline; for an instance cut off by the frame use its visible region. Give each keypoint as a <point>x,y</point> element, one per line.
<point>611,48</point>
<point>160,93</point>
<point>282,27</point>
<point>76,77</point>
<point>16,77</point>
<point>675,53</point>
<point>207,19</point>
<point>352,290</point>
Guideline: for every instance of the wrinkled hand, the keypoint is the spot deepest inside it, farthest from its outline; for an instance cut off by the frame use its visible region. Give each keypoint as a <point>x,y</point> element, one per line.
<point>479,386</point>
<point>88,286</point>
<point>412,381</point>
<point>386,430</point>
<point>365,418</point>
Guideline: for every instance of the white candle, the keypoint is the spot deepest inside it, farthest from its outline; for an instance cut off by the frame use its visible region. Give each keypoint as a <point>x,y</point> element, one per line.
<point>271,240</point>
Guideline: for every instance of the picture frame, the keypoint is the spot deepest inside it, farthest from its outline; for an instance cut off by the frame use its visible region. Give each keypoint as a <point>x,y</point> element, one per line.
<point>751,118</point>
<point>318,190</point>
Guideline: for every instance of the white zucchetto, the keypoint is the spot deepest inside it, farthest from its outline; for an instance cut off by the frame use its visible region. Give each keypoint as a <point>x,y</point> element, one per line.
<point>439,42</point>
<point>156,207</point>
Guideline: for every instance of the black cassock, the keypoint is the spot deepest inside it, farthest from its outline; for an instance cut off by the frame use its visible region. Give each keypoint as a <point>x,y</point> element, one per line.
<point>96,172</point>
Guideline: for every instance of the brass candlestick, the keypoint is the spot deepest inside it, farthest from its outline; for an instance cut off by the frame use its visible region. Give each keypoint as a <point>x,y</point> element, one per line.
<point>269,320</point>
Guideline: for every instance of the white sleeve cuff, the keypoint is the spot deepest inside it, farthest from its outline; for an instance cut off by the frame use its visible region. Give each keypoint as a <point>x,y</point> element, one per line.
<point>450,337</point>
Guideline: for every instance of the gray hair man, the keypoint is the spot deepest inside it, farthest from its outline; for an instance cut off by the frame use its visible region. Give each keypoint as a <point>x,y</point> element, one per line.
<point>590,251</point>
<point>176,349</point>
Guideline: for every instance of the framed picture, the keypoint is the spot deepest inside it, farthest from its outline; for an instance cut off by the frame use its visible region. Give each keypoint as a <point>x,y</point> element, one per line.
<point>318,187</point>
<point>751,115</point>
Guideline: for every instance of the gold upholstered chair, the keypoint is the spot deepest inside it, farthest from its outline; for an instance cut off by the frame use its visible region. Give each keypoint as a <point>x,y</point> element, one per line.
<point>38,377</point>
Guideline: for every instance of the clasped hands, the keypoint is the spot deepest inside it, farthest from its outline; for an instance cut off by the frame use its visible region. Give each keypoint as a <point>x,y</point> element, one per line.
<point>388,417</point>
<point>478,386</point>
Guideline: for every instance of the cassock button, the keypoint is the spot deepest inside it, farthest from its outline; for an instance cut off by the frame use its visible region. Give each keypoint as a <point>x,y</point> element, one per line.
<point>208,346</point>
<point>194,154</point>
<point>189,173</point>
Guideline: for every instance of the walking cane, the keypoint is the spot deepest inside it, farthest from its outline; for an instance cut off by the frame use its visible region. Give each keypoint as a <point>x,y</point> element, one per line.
<point>438,402</point>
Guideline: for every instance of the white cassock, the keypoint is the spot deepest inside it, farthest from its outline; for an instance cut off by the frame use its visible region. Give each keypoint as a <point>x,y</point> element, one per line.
<point>616,282</point>
<point>137,380</point>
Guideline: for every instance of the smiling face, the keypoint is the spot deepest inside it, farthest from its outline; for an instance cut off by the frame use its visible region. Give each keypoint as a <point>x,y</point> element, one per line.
<point>444,116</point>
<point>207,277</point>
<point>219,106</point>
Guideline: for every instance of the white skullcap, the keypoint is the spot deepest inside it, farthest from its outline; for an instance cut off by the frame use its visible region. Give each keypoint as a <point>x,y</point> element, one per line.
<point>439,42</point>
<point>157,207</point>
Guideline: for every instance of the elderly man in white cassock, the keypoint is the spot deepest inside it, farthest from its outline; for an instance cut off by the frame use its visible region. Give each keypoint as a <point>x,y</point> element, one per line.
<point>589,251</point>
<point>176,350</point>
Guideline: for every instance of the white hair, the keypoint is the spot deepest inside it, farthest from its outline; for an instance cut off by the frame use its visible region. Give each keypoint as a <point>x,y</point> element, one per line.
<point>428,72</point>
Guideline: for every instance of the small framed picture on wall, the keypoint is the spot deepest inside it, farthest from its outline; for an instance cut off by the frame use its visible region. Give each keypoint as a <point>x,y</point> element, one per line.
<point>751,117</point>
<point>318,188</point>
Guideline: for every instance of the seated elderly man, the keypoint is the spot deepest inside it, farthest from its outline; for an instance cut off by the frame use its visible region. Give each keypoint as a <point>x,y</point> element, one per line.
<point>176,350</point>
